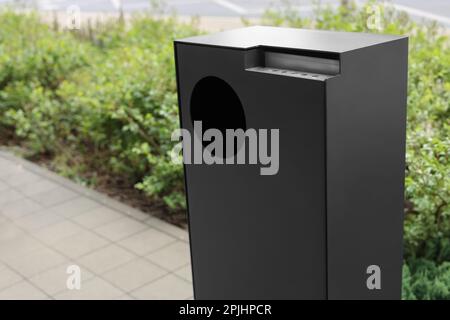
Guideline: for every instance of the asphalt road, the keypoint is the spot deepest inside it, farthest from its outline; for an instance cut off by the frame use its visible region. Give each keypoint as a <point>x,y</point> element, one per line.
<point>421,9</point>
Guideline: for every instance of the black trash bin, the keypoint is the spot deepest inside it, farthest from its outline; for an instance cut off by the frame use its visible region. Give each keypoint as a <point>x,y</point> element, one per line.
<point>327,222</point>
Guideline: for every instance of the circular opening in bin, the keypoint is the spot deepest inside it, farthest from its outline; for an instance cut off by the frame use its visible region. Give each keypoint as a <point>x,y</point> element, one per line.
<point>217,106</point>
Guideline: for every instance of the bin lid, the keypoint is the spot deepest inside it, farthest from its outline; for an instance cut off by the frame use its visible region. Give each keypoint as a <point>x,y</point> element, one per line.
<point>290,38</point>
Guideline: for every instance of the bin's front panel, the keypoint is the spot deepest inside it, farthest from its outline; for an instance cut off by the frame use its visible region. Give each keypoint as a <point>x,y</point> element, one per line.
<point>257,236</point>
<point>366,115</point>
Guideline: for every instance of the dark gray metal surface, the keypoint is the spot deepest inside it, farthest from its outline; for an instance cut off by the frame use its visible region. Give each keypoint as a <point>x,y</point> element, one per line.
<point>366,119</point>
<point>335,207</point>
<point>253,236</point>
<point>291,38</point>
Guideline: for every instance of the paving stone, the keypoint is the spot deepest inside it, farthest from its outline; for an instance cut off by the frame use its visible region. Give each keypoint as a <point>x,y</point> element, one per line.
<point>97,217</point>
<point>7,168</point>
<point>74,207</point>
<point>8,277</point>
<point>36,221</point>
<point>19,208</point>
<point>8,196</point>
<point>57,232</point>
<point>17,245</point>
<point>3,186</point>
<point>185,272</point>
<point>54,196</point>
<point>80,244</point>
<point>129,211</point>
<point>22,291</point>
<point>172,256</point>
<point>121,228</point>
<point>36,262</point>
<point>146,241</point>
<point>174,231</point>
<point>54,280</point>
<point>105,259</point>
<point>134,274</point>
<point>94,289</point>
<point>21,177</point>
<point>37,187</point>
<point>166,288</point>
<point>9,232</point>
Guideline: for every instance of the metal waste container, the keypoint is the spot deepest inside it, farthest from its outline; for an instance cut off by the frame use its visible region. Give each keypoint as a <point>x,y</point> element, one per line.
<point>314,207</point>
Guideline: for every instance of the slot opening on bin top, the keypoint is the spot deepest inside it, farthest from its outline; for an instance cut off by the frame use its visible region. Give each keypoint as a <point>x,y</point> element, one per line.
<point>298,61</point>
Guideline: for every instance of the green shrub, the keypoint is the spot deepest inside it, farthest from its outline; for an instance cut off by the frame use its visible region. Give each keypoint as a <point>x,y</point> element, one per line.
<point>30,52</point>
<point>100,101</point>
<point>34,62</point>
<point>425,280</point>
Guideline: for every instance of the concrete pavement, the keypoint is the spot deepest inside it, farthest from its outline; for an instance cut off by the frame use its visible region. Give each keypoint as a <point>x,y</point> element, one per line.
<point>48,223</point>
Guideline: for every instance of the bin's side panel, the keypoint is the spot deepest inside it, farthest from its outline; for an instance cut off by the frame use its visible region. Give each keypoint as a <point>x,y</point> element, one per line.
<point>366,119</point>
<point>255,236</point>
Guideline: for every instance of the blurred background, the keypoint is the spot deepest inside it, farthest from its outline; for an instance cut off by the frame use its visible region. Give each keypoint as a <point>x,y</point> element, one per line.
<point>87,90</point>
<point>434,9</point>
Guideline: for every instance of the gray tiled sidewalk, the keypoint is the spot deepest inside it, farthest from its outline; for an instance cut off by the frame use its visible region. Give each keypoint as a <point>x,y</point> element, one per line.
<point>48,223</point>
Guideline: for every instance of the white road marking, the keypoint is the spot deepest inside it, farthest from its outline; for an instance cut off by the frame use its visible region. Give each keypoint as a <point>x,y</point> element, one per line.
<point>232,6</point>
